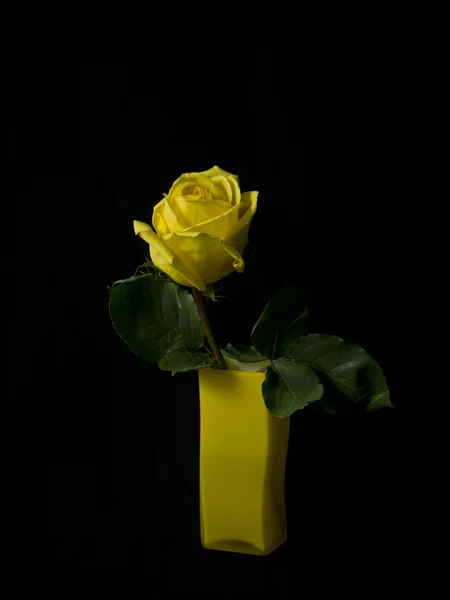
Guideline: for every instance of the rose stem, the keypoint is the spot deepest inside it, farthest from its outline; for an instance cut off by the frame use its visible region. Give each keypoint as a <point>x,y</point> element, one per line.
<point>206,326</point>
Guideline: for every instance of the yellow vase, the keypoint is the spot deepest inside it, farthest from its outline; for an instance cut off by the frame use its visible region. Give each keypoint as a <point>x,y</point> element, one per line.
<point>243,452</point>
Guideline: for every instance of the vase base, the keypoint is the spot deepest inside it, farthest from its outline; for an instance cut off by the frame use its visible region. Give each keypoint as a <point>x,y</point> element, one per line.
<point>244,547</point>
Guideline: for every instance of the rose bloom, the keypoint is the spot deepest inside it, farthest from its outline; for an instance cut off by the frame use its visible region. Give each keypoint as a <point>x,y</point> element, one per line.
<point>201,228</point>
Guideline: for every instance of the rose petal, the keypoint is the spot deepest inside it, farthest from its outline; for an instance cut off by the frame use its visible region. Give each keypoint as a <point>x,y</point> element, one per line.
<point>238,235</point>
<point>193,212</point>
<point>165,259</point>
<point>216,171</point>
<point>209,257</point>
<point>220,226</point>
<point>224,183</point>
<point>236,190</point>
<point>165,219</point>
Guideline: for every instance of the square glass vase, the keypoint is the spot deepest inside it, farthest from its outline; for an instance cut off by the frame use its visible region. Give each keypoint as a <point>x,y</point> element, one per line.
<point>243,451</point>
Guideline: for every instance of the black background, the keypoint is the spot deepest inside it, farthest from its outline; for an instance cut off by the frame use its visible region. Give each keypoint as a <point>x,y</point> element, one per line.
<point>346,138</point>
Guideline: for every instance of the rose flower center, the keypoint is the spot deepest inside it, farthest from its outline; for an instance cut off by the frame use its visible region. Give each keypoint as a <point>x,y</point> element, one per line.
<point>194,193</point>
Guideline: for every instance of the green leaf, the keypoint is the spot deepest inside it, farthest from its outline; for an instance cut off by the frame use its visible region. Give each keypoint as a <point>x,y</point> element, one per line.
<point>154,316</point>
<point>290,386</point>
<point>246,354</point>
<point>284,319</point>
<point>188,319</point>
<point>183,359</point>
<point>347,366</point>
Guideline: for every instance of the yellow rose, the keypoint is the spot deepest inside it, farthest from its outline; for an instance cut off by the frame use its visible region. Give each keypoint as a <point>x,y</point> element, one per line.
<point>201,228</point>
